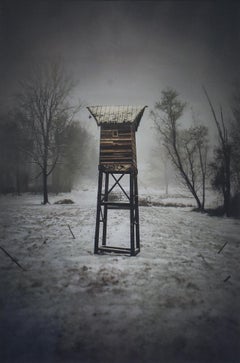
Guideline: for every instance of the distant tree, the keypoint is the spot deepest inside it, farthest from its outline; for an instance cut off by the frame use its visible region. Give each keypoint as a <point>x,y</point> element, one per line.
<point>221,165</point>
<point>165,161</point>
<point>74,159</point>
<point>186,148</point>
<point>14,171</point>
<point>235,138</point>
<point>46,112</point>
<point>194,155</point>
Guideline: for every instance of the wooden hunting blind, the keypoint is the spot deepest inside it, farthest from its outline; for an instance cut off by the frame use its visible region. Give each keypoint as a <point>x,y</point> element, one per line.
<point>117,159</point>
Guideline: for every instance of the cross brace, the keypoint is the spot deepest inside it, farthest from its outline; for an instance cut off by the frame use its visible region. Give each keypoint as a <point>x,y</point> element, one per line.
<point>104,204</point>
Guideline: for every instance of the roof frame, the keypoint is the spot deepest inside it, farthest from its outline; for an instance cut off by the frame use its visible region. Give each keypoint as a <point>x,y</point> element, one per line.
<point>117,115</point>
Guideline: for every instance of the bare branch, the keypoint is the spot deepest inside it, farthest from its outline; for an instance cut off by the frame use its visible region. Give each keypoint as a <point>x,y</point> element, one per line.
<point>45,105</point>
<point>181,146</point>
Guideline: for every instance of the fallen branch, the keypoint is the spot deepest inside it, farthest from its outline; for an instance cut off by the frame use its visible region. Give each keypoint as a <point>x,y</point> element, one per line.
<point>223,247</point>
<point>71,231</point>
<point>12,258</point>
<point>227,278</point>
<point>205,261</point>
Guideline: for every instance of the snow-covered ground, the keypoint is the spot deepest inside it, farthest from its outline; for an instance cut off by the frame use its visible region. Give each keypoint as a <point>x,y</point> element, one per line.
<point>177,301</point>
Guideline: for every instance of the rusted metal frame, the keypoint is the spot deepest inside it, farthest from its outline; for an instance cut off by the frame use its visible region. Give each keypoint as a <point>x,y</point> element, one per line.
<point>133,250</point>
<point>99,211</point>
<point>115,249</point>
<point>104,235</point>
<point>101,214</point>
<point>136,213</point>
<point>120,186</point>
<point>109,191</point>
<point>103,206</point>
<point>132,242</point>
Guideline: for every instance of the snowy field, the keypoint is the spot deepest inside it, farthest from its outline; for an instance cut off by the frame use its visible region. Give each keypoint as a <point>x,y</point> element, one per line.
<point>177,301</point>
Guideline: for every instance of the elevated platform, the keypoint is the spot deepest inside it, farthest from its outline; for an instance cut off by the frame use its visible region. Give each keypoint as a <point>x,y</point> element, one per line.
<point>117,168</point>
<point>104,204</point>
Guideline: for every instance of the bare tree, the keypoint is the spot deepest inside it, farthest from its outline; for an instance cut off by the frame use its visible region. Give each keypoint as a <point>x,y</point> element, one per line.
<point>235,137</point>
<point>223,157</point>
<point>46,111</point>
<point>14,175</point>
<point>165,161</point>
<point>186,148</point>
<point>74,159</point>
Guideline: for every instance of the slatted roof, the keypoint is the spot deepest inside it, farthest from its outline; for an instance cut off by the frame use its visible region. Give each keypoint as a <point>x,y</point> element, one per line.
<point>117,114</point>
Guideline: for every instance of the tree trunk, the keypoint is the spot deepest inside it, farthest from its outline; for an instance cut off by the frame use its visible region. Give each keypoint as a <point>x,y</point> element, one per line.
<point>18,188</point>
<point>166,177</point>
<point>203,199</point>
<point>45,187</point>
<point>203,192</point>
<point>227,194</point>
<point>227,198</point>
<point>199,204</point>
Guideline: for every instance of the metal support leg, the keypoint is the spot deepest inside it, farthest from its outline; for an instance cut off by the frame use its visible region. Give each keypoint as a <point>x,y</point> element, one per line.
<point>136,213</point>
<point>104,235</point>
<point>132,244</point>
<point>100,176</point>
<point>103,204</point>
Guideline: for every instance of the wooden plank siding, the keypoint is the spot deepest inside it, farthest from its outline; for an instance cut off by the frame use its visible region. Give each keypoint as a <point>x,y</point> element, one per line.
<point>118,146</point>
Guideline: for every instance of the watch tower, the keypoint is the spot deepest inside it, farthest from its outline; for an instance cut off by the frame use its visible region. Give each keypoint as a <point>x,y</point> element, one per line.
<point>117,159</point>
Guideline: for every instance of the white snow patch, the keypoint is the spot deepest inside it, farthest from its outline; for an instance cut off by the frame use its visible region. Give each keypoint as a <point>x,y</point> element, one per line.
<point>177,301</point>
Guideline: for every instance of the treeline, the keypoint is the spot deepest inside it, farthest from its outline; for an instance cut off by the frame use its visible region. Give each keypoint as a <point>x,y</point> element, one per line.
<point>42,144</point>
<point>44,148</point>
<point>188,150</point>
<point>20,173</point>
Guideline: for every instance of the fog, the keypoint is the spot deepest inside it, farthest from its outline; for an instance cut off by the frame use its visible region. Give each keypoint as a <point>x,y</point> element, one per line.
<point>178,300</point>
<point>126,53</point>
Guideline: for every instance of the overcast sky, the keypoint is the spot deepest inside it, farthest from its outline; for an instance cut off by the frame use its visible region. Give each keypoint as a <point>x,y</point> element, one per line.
<point>125,52</point>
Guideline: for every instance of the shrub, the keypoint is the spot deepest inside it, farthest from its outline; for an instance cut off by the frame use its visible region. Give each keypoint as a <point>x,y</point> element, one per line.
<point>64,201</point>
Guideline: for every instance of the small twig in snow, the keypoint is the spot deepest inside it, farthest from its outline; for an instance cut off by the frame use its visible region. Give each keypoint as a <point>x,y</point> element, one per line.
<point>223,247</point>
<point>71,231</point>
<point>204,260</point>
<point>44,242</point>
<point>227,278</point>
<point>12,258</point>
